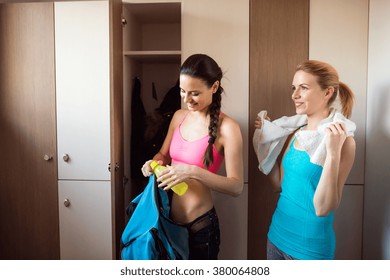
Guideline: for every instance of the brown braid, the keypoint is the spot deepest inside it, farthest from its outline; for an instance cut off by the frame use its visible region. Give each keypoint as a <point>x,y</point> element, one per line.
<point>214,111</point>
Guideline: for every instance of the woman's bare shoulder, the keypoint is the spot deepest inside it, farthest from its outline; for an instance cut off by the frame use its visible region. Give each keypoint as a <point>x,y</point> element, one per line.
<point>229,125</point>
<point>178,116</point>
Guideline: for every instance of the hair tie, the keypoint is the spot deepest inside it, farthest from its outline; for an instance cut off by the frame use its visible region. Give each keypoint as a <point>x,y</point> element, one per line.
<point>211,140</point>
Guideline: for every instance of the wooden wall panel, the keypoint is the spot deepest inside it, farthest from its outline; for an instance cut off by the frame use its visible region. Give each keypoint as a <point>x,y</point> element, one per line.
<point>28,183</point>
<point>279,40</point>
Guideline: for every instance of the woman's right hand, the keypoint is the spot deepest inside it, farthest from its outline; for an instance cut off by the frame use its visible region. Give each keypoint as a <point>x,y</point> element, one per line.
<point>146,169</point>
<point>259,121</point>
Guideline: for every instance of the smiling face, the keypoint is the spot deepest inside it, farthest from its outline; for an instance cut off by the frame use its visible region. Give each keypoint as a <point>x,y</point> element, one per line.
<point>196,94</point>
<point>308,96</point>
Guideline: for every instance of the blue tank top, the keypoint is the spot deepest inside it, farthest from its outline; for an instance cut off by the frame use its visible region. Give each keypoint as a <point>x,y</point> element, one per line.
<point>295,229</point>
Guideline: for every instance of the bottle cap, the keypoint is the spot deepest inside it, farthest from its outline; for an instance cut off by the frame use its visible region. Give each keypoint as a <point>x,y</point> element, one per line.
<point>153,164</point>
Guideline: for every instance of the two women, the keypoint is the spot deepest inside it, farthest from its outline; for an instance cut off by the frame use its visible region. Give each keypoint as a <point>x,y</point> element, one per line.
<point>314,166</point>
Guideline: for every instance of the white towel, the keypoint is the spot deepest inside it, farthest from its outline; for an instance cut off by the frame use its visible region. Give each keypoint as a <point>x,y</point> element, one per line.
<point>268,141</point>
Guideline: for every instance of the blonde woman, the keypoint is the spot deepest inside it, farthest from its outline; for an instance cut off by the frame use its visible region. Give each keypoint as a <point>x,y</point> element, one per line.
<point>315,165</point>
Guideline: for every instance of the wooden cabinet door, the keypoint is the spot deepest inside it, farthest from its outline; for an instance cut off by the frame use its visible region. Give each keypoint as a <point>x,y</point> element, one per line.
<point>272,63</point>
<point>117,123</point>
<point>28,167</point>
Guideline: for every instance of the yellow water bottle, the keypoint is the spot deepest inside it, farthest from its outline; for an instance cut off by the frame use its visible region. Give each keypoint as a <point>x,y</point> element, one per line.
<point>179,189</point>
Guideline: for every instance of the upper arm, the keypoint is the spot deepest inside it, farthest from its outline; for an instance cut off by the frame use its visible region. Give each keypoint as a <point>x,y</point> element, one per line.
<point>233,150</point>
<point>277,172</point>
<point>346,161</point>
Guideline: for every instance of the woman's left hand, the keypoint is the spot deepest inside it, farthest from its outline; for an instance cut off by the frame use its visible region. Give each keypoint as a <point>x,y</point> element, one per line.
<point>337,133</point>
<point>174,175</point>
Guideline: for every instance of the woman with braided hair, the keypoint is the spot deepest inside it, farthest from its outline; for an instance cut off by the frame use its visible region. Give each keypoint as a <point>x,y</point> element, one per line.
<point>198,140</point>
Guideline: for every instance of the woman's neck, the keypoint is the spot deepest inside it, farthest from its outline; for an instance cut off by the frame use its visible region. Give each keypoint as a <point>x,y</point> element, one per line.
<point>314,119</point>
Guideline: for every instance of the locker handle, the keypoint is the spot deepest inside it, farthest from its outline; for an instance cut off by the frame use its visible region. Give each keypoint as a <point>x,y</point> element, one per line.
<point>65,157</point>
<point>47,157</point>
<point>67,202</point>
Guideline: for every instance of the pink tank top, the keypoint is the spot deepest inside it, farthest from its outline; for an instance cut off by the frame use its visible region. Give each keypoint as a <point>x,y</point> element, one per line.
<point>191,152</point>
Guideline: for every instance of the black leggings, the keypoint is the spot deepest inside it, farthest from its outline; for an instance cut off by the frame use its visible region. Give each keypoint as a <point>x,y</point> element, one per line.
<point>204,237</point>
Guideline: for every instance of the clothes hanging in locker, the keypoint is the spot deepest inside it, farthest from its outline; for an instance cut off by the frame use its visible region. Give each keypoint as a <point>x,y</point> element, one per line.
<point>137,146</point>
<point>157,122</point>
<point>149,130</point>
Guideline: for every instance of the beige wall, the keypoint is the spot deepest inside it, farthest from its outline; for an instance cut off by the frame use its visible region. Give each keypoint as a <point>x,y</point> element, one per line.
<point>353,35</point>
<point>338,34</point>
